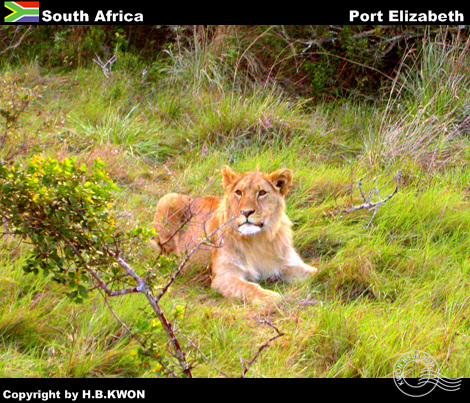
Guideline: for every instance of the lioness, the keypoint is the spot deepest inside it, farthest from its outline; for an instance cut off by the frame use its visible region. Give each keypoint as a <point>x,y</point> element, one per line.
<point>250,233</point>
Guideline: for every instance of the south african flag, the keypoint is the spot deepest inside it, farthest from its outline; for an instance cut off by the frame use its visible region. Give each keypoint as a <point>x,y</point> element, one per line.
<point>22,11</point>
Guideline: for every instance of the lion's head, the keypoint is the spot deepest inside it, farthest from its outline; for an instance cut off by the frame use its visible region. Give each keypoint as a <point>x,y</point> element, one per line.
<point>256,198</point>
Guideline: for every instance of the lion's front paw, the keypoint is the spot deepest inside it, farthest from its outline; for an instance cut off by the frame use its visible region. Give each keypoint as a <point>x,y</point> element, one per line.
<point>310,270</point>
<point>300,272</point>
<point>266,296</point>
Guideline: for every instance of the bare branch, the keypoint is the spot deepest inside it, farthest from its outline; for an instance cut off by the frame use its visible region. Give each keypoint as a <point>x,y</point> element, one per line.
<point>184,222</point>
<point>206,358</point>
<point>101,284</point>
<point>143,288</point>
<point>246,368</point>
<point>131,333</point>
<point>368,204</point>
<point>189,255</point>
<point>17,43</point>
<point>189,209</point>
<point>105,67</point>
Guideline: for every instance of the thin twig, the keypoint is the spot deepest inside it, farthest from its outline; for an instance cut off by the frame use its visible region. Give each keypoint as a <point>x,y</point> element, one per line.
<point>172,176</point>
<point>17,43</point>
<point>188,256</point>
<point>204,356</point>
<point>131,333</point>
<point>246,368</point>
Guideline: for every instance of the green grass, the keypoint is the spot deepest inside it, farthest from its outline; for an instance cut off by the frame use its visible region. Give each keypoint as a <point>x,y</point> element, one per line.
<point>43,335</point>
<point>399,284</point>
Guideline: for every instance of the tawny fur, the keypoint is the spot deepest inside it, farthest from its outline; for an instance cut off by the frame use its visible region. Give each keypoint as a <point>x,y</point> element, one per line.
<point>256,243</point>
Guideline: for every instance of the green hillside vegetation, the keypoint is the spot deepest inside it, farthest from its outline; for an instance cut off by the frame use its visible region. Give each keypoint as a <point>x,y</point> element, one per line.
<point>390,281</point>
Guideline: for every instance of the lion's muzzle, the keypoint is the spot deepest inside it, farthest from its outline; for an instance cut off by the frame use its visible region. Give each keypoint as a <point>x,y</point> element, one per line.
<point>249,228</point>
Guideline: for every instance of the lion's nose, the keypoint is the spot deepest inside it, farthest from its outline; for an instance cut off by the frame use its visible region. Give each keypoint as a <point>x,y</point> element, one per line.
<point>247,213</point>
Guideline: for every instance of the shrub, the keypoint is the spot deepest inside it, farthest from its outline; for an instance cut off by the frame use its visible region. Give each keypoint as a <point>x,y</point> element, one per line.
<point>64,212</point>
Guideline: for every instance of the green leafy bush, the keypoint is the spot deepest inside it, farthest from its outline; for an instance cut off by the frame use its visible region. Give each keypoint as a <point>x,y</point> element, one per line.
<point>65,211</point>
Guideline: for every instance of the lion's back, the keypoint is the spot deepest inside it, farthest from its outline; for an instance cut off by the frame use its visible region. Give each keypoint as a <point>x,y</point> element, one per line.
<point>196,224</point>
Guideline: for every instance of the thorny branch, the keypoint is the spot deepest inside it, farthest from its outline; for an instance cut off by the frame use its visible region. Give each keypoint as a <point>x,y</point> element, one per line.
<point>168,328</point>
<point>143,288</point>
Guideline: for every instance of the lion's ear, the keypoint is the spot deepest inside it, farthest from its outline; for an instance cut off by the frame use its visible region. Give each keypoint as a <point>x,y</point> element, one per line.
<point>228,176</point>
<point>282,180</point>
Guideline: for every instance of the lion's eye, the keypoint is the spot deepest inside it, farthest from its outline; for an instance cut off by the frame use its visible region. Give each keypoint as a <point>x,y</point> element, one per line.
<point>238,192</point>
<point>262,192</point>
